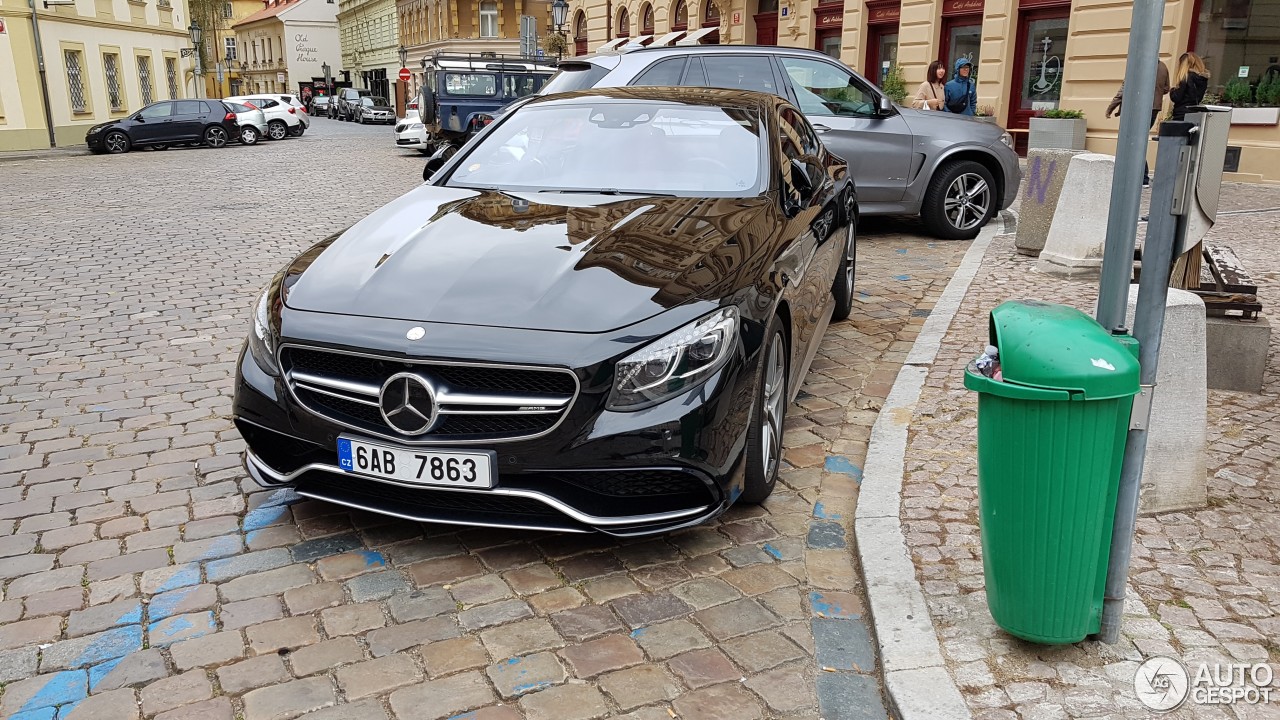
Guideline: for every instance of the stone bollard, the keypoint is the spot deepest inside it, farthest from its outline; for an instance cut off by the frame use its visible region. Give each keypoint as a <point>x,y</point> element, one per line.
<point>1174,472</point>
<point>1073,248</point>
<point>1041,186</point>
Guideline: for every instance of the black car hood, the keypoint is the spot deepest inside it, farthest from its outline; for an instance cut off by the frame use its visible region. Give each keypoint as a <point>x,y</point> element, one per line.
<point>573,263</point>
<point>382,108</point>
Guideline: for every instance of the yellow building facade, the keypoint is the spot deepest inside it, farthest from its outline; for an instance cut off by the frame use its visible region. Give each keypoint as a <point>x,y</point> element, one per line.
<point>370,39</point>
<point>223,48</point>
<point>103,59</point>
<point>1030,54</point>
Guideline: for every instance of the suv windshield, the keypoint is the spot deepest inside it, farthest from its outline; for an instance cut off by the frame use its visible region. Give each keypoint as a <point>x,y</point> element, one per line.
<point>460,83</point>
<point>622,147</point>
<point>574,76</point>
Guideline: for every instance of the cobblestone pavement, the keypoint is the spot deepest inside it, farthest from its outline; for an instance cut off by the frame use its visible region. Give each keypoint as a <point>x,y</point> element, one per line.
<point>144,575</point>
<point>1204,585</point>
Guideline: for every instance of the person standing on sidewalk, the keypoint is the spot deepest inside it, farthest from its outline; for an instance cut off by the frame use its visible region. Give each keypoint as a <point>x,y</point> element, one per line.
<point>930,94</point>
<point>1162,89</point>
<point>1189,84</point>
<point>961,94</point>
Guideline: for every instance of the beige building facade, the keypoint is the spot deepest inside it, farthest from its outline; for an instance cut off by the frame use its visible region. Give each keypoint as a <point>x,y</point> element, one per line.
<point>1030,54</point>
<point>103,59</point>
<point>370,39</point>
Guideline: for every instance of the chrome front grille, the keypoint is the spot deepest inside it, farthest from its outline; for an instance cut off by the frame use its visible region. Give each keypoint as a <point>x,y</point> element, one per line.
<point>476,402</point>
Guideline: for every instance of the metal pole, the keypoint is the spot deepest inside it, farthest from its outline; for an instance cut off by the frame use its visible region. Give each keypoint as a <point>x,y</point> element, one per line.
<point>44,80</point>
<point>1131,153</point>
<point>1153,290</point>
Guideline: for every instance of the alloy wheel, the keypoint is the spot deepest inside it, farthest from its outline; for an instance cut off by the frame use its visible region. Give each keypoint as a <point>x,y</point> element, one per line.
<point>773,405</point>
<point>215,137</point>
<point>850,249</point>
<point>277,130</point>
<point>116,143</point>
<point>967,202</point>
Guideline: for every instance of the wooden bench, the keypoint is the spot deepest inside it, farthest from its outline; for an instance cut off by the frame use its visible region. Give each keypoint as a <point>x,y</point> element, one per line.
<point>1226,287</point>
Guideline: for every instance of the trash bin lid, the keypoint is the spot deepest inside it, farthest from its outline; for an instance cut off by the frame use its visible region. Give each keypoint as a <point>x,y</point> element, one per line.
<point>1058,347</point>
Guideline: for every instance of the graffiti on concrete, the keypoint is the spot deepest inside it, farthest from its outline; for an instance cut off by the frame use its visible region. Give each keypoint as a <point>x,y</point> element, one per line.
<point>1038,182</point>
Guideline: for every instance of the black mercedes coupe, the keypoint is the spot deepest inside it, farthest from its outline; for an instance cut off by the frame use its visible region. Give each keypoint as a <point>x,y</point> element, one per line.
<point>593,317</point>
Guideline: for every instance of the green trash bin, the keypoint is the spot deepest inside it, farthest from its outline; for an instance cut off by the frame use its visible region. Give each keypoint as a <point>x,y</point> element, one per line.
<point>1051,437</point>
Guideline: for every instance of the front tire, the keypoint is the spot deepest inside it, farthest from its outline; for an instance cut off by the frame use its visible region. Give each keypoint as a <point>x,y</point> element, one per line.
<point>216,136</point>
<point>764,436</point>
<point>842,288</point>
<point>960,200</point>
<point>116,143</point>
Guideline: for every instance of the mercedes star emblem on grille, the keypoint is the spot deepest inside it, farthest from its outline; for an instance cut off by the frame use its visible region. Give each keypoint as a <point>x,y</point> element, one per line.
<point>408,404</point>
<point>416,333</point>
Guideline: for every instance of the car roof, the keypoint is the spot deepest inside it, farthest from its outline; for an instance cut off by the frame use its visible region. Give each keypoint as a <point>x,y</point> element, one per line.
<point>702,50</point>
<point>715,97</point>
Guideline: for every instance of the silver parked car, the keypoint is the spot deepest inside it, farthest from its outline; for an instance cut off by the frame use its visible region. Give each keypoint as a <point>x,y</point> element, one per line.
<point>953,171</point>
<point>374,109</point>
<point>251,121</point>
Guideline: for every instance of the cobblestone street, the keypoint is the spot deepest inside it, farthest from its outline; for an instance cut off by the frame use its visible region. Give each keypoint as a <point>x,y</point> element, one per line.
<point>145,576</point>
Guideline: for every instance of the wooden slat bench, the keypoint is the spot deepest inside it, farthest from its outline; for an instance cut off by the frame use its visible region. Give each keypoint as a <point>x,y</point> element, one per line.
<point>1225,286</point>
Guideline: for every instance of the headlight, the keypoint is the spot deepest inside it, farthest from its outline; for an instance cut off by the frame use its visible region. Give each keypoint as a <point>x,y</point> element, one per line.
<point>1006,138</point>
<point>676,362</point>
<point>262,340</point>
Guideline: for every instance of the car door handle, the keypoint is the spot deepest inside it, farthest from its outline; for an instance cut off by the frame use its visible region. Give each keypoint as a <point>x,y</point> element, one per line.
<point>820,128</point>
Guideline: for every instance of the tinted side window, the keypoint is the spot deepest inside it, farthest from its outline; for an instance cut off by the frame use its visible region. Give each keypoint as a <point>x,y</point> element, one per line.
<point>824,89</point>
<point>186,107</point>
<point>264,103</point>
<point>575,76</point>
<point>159,110</point>
<point>737,72</point>
<point>665,72</point>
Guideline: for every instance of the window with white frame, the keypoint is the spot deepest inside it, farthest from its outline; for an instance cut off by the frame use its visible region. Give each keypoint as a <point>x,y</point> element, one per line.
<point>227,10</point>
<point>144,78</point>
<point>171,73</point>
<point>75,79</point>
<point>231,48</point>
<point>488,19</point>
<point>111,69</point>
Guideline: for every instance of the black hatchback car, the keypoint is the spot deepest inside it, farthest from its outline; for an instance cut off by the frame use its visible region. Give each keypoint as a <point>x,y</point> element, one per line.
<point>165,123</point>
<point>593,317</point>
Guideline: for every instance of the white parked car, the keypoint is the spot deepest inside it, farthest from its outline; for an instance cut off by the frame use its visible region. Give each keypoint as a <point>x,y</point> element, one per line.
<point>297,105</point>
<point>251,121</point>
<point>411,134</point>
<point>283,119</point>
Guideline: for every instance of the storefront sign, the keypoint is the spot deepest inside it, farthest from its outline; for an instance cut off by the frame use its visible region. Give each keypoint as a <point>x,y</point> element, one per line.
<point>1243,71</point>
<point>306,52</point>
<point>830,20</point>
<point>279,77</point>
<point>883,14</point>
<point>962,7</point>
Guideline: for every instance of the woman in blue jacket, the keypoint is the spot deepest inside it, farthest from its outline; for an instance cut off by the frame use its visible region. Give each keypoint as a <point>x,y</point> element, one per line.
<point>962,92</point>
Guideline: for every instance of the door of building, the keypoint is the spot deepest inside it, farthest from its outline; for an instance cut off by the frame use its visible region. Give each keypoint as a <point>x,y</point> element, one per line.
<point>830,27</point>
<point>882,39</point>
<point>766,19</point>
<point>961,33</point>
<point>1038,65</point>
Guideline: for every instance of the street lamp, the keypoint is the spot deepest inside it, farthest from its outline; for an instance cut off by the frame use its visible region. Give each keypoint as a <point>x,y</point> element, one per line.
<point>404,53</point>
<point>196,33</point>
<point>559,14</point>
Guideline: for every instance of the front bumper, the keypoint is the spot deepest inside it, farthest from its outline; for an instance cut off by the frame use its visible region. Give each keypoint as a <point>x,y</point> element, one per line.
<point>414,139</point>
<point>676,464</point>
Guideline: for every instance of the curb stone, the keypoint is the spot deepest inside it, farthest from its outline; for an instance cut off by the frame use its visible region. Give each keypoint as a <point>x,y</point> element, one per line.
<point>916,679</point>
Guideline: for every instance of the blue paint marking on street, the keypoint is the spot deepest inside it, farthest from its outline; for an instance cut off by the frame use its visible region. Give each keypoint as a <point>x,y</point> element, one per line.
<point>775,552</point>
<point>638,632</point>
<point>173,628</point>
<point>41,714</point>
<point>841,464</point>
<point>902,277</point>
<point>259,518</point>
<point>64,712</point>
<point>60,689</point>
<point>183,576</point>
<point>110,645</point>
<point>829,608</point>
<point>530,687</point>
<point>465,716</point>
<point>166,605</point>
<point>901,251</point>
<point>864,294</point>
<point>513,661</point>
<point>221,547</point>
<point>820,511</point>
<point>99,672</point>
<point>372,558</point>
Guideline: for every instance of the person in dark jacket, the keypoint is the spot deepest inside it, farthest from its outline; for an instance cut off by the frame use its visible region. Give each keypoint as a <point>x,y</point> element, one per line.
<point>961,94</point>
<point>1189,84</point>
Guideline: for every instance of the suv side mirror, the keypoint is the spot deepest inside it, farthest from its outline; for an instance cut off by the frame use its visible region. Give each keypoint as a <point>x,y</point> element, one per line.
<point>886,106</point>
<point>798,172</point>
<point>433,165</point>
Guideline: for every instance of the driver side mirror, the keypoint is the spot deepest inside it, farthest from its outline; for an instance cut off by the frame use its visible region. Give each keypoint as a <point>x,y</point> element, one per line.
<point>433,165</point>
<point>798,173</point>
<point>886,105</point>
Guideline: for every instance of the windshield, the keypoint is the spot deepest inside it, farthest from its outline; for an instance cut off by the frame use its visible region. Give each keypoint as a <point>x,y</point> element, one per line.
<point>470,84</point>
<point>623,147</point>
<point>374,100</point>
<point>579,76</point>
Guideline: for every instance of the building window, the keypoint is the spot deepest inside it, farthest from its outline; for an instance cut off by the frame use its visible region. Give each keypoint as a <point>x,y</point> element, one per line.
<point>231,48</point>
<point>489,19</point>
<point>171,73</point>
<point>111,68</point>
<point>646,20</point>
<point>75,81</point>
<point>144,78</point>
<point>624,23</point>
<point>580,27</point>
<point>680,18</point>
<point>227,10</point>
<point>1236,40</point>
<point>712,14</point>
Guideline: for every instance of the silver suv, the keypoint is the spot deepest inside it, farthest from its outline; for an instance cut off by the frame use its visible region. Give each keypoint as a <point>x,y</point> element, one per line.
<point>953,171</point>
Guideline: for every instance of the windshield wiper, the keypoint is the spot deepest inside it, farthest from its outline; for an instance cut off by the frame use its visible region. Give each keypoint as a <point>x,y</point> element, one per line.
<point>609,191</point>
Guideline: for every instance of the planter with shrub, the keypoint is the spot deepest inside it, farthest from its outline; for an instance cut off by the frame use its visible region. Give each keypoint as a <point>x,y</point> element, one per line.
<point>1062,129</point>
<point>1252,105</point>
<point>987,114</point>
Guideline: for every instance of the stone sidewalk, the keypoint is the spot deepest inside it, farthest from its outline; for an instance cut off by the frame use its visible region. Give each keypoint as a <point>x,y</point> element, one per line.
<point>1204,585</point>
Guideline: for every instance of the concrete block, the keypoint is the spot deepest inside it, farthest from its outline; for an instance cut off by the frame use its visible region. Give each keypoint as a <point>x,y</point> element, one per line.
<point>1174,473</point>
<point>1237,353</point>
<point>1073,248</point>
<point>1041,187</point>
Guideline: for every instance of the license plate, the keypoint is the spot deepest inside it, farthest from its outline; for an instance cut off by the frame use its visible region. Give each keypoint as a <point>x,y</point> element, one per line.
<point>416,467</point>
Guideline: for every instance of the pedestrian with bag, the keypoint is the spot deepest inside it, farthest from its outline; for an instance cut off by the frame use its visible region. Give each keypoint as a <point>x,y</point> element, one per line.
<point>1162,89</point>
<point>932,92</point>
<point>1190,82</point>
<point>960,96</point>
